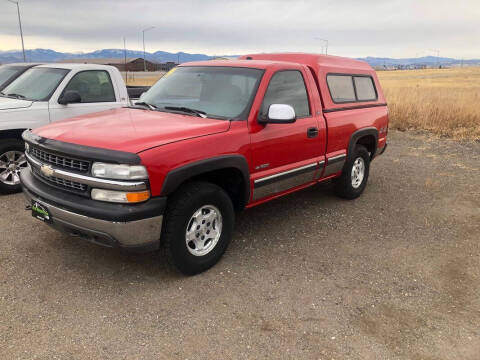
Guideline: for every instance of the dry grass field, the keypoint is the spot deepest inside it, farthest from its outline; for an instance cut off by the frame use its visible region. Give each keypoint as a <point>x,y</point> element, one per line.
<point>442,101</point>
<point>445,102</point>
<point>144,80</point>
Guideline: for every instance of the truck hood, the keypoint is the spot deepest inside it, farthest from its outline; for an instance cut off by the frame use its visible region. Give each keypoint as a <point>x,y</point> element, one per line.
<point>131,130</point>
<point>9,103</point>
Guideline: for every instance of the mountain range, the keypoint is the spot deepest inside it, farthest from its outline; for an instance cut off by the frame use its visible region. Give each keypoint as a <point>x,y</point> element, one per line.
<point>48,55</point>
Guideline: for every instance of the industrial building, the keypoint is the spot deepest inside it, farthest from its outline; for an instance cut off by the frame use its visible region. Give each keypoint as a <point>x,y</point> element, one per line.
<point>128,64</point>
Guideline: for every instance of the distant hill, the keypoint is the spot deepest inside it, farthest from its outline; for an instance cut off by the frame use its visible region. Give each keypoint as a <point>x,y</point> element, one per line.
<point>425,60</point>
<point>48,55</point>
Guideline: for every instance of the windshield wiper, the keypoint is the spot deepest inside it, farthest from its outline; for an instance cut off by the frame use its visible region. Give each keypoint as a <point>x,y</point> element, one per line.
<point>184,109</point>
<point>17,96</point>
<point>150,106</point>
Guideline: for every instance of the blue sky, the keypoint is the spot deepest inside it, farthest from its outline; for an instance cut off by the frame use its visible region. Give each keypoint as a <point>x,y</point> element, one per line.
<point>391,28</point>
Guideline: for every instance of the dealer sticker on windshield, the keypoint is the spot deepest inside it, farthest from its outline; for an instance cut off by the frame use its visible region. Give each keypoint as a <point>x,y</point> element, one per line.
<point>40,212</point>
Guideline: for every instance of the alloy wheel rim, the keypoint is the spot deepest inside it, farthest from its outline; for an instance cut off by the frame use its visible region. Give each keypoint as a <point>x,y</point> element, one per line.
<point>11,163</point>
<point>358,172</point>
<point>203,230</point>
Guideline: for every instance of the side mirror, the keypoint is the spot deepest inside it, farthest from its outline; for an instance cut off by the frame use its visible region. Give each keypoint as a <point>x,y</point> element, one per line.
<point>280,114</point>
<point>70,97</point>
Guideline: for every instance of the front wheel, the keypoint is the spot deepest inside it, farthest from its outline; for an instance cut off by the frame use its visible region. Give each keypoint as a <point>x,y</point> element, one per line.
<point>198,227</point>
<point>12,161</point>
<point>353,180</point>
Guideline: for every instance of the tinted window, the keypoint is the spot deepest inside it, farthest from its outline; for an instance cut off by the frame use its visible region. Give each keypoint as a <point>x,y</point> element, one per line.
<point>365,88</point>
<point>287,87</point>
<point>8,72</point>
<point>221,92</point>
<point>36,84</point>
<point>341,88</point>
<point>93,86</point>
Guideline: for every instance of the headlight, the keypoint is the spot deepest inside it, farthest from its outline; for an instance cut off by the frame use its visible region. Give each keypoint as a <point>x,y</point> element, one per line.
<point>119,172</point>
<point>120,196</point>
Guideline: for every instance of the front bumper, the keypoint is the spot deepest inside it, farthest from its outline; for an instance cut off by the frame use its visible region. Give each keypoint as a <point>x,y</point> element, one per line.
<point>135,227</point>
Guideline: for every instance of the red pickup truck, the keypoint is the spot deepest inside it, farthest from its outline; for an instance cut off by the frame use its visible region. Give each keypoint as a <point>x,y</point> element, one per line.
<point>207,139</point>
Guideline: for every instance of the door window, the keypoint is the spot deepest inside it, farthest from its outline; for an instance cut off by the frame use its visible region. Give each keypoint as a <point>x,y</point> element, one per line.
<point>287,87</point>
<point>93,86</point>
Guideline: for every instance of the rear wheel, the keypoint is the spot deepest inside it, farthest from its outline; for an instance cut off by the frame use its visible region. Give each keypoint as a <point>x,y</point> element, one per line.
<point>12,161</point>
<point>353,180</point>
<point>198,227</point>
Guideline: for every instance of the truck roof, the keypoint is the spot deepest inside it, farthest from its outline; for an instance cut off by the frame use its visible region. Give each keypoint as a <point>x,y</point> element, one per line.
<point>24,64</point>
<point>76,66</point>
<point>257,64</point>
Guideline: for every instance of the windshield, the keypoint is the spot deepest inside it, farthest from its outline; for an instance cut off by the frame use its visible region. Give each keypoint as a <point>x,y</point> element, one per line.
<point>219,92</point>
<point>8,72</point>
<point>36,84</point>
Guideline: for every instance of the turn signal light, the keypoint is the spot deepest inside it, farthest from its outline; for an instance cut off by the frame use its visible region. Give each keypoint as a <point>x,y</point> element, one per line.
<point>138,196</point>
<point>120,196</point>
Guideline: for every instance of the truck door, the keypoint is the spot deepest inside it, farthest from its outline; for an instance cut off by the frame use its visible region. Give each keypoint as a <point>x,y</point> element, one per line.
<point>287,155</point>
<point>96,92</point>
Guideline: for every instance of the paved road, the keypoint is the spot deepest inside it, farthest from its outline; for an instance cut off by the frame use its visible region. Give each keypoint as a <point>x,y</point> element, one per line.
<point>392,275</point>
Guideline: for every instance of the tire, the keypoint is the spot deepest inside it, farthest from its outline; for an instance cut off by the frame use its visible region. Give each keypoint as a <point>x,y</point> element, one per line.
<point>187,232</point>
<point>351,183</point>
<point>12,160</point>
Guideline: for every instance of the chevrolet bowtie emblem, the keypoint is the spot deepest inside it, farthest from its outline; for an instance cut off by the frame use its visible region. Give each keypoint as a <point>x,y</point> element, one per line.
<point>46,170</point>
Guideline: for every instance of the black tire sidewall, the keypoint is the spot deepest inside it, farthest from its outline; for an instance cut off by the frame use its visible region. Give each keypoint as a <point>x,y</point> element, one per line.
<point>182,209</point>
<point>5,146</point>
<point>344,186</point>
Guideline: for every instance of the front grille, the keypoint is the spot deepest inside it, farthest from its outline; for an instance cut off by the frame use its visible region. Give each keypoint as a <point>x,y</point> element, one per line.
<point>60,161</point>
<point>61,183</point>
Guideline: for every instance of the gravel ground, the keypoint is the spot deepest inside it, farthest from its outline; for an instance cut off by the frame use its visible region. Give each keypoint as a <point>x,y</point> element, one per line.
<point>392,275</point>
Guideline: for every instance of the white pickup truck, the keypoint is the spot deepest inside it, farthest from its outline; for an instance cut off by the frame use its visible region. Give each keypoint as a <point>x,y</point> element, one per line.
<point>48,93</point>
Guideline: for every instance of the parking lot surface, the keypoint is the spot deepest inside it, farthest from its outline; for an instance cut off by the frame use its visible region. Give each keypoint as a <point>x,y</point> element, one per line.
<point>394,274</point>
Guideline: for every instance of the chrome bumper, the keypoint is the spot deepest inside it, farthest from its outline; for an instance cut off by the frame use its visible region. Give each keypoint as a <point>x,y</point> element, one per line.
<point>144,233</point>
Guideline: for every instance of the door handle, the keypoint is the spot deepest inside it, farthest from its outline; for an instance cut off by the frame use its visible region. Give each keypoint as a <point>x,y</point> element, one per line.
<point>312,132</point>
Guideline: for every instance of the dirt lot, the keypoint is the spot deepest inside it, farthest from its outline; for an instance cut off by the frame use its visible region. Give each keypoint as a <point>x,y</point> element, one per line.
<point>392,275</point>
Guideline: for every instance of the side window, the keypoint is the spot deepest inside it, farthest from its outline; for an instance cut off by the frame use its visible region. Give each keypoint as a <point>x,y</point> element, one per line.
<point>341,88</point>
<point>365,88</point>
<point>93,86</point>
<point>287,87</point>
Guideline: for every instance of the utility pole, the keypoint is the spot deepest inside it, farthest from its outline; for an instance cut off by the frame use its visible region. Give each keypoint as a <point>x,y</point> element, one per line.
<point>325,41</point>
<point>145,61</point>
<point>20,25</point>
<point>437,54</point>
<point>125,59</point>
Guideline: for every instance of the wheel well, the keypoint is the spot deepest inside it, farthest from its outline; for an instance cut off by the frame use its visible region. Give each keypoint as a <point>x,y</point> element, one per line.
<point>229,179</point>
<point>369,142</point>
<point>11,134</point>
